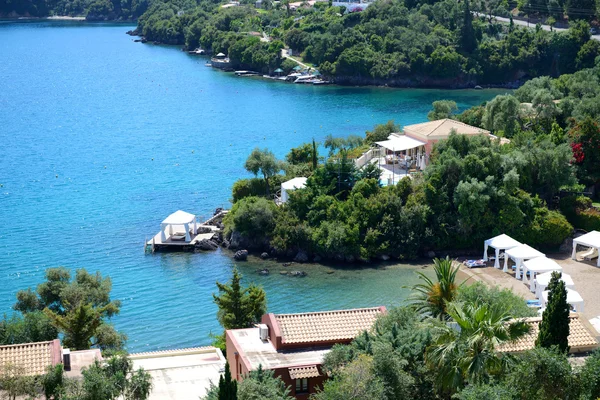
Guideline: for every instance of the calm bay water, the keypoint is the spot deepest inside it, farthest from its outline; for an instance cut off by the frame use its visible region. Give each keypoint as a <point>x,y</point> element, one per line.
<point>101,138</point>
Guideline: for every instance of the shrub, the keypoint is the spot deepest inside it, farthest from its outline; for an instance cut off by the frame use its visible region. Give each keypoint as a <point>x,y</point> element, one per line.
<point>580,213</point>
<point>252,216</point>
<point>254,187</point>
<point>512,304</point>
<point>548,229</point>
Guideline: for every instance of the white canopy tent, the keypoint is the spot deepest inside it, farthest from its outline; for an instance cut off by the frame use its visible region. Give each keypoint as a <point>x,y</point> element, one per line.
<point>538,265</point>
<point>573,298</point>
<point>179,219</point>
<point>291,185</point>
<point>542,281</point>
<point>518,255</point>
<point>500,242</point>
<point>400,143</point>
<point>591,239</point>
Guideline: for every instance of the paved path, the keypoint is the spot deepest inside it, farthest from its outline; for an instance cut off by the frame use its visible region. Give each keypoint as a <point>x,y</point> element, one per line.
<point>285,54</point>
<point>527,24</point>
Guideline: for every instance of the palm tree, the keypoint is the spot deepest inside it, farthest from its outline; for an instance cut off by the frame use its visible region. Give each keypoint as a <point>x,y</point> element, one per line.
<point>465,350</point>
<point>431,298</point>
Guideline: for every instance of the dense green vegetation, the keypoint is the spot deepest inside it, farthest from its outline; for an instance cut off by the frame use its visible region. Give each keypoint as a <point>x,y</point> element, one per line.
<point>94,10</point>
<point>79,309</point>
<point>473,188</point>
<point>398,42</point>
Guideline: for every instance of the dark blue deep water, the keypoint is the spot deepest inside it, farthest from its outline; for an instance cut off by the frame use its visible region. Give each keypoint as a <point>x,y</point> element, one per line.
<point>101,138</point>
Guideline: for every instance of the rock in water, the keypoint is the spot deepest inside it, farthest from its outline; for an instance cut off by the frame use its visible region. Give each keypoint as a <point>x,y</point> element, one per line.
<point>241,255</point>
<point>264,255</point>
<point>206,245</point>
<point>300,274</point>
<point>301,257</point>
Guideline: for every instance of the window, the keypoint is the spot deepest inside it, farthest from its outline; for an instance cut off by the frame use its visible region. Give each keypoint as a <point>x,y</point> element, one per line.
<point>302,385</point>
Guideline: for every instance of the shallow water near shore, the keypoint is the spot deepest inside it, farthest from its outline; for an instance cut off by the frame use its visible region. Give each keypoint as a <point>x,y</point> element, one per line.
<point>102,138</point>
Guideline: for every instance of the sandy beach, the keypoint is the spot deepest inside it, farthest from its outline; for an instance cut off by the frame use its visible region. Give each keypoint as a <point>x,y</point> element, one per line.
<point>585,274</point>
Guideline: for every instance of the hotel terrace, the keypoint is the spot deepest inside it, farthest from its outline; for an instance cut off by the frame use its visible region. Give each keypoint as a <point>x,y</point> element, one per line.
<point>293,345</point>
<point>408,152</point>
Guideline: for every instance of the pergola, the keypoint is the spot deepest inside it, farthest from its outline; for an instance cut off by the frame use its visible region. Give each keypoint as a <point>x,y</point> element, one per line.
<point>402,143</point>
<point>179,219</point>
<point>500,242</point>
<point>591,239</point>
<point>573,298</point>
<point>538,265</point>
<point>542,281</point>
<point>518,255</point>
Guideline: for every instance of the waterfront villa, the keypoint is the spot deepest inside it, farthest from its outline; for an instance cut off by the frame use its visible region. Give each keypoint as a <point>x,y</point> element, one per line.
<point>293,345</point>
<point>408,152</point>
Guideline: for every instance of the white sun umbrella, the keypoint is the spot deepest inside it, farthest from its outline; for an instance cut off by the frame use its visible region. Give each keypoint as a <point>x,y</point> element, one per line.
<point>542,281</point>
<point>573,298</point>
<point>500,242</point>
<point>518,255</point>
<point>538,265</point>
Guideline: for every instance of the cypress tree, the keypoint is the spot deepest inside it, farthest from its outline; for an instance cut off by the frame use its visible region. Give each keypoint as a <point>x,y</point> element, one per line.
<point>227,386</point>
<point>467,33</point>
<point>554,328</point>
<point>314,156</point>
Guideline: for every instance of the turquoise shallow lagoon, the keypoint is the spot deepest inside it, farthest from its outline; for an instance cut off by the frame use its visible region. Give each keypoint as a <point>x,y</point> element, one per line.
<point>101,138</point>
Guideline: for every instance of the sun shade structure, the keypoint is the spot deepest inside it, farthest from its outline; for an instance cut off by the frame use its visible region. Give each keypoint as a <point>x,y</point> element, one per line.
<point>573,298</point>
<point>278,70</point>
<point>518,255</point>
<point>591,239</point>
<point>179,219</point>
<point>582,336</point>
<point>297,68</point>
<point>400,143</point>
<point>542,281</point>
<point>500,242</point>
<point>537,266</point>
<point>291,185</point>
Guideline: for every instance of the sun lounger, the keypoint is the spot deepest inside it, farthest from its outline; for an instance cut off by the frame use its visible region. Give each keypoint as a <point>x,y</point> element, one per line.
<point>474,263</point>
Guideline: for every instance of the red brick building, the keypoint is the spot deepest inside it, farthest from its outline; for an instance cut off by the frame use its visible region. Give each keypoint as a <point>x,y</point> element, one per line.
<point>293,345</point>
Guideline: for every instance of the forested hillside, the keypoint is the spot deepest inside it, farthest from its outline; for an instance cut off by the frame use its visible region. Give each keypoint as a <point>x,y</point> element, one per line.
<point>91,9</point>
<point>394,42</point>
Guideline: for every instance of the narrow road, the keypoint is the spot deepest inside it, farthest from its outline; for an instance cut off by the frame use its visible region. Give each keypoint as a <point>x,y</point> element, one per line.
<point>285,54</point>
<point>526,24</point>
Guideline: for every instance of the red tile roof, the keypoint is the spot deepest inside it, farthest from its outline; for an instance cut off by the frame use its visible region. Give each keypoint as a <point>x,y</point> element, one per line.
<point>310,371</point>
<point>326,326</point>
<point>34,358</point>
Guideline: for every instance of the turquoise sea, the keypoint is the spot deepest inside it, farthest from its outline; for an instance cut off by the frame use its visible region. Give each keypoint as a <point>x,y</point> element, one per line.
<point>101,138</point>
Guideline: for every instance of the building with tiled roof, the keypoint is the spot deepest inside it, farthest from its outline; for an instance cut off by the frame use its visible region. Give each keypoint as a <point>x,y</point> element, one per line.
<point>293,345</point>
<point>441,129</point>
<point>582,336</point>
<point>34,358</point>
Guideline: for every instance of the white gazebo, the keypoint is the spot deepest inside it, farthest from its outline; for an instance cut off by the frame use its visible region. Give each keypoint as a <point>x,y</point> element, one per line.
<point>518,255</point>
<point>178,226</point>
<point>542,281</point>
<point>573,298</point>
<point>591,239</point>
<point>500,242</point>
<point>291,185</point>
<point>538,265</point>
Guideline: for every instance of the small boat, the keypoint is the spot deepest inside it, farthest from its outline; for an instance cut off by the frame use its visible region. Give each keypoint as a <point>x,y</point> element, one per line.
<point>246,73</point>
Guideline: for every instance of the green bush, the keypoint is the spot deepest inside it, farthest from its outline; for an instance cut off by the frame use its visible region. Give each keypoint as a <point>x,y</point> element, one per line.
<point>548,229</point>
<point>254,187</point>
<point>506,299</point>
<point>580,213</point>
<point>252,216</point>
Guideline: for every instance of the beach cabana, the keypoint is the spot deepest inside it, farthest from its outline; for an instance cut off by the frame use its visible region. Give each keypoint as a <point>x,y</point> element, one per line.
<point>499,243</point>
<point>591,240</point>
<point>542,281</point>
<point>291,185</point>
<point>297,68</point>
<point>573,298</point>
<point>278,71</point>
<point>518,255</point>
<point>538,265</point>
<point>178,226</point>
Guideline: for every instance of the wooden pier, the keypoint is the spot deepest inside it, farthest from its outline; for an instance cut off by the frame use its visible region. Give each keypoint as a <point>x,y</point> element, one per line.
<point>178,240</point>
